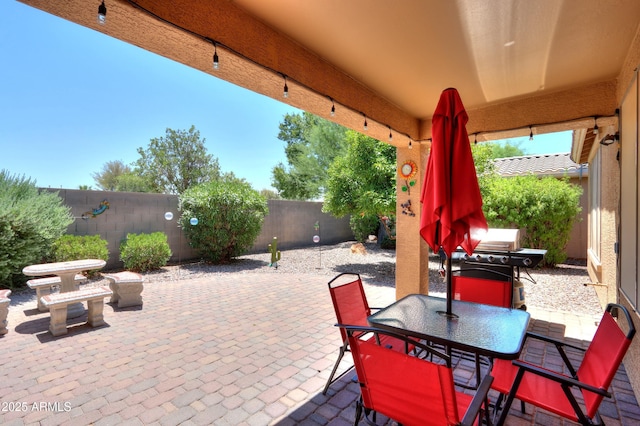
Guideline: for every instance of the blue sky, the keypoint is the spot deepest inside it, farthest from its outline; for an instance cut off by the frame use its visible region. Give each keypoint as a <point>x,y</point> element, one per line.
<point>73,99</point>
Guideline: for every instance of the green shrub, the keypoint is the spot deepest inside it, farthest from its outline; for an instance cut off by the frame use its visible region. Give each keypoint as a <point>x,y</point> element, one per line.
<point>543,209</point>
<point>145,252</point>
<point>30,221</point>
<point>230,216</point>
<point>364,225</point>
<point>75,247</point>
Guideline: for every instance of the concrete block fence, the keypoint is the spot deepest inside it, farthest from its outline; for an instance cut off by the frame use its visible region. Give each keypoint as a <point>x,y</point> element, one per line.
<point>292,222</point>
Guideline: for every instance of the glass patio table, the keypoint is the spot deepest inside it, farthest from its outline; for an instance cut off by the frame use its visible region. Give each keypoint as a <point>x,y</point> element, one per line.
<point>477,328</point>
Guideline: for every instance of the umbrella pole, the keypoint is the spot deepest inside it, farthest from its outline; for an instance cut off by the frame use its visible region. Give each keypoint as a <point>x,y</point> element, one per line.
<point>449,296</point>
<point>449,289</point>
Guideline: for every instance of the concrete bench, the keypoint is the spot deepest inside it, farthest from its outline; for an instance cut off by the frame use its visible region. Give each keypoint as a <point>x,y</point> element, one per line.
<point>4,310</point>
<point>57,304</point>
<point>127,288</point>
<point>44,286</point>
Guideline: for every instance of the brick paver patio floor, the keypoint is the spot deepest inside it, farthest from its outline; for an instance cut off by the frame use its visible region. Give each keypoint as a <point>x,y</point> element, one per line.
<point>231,349</point>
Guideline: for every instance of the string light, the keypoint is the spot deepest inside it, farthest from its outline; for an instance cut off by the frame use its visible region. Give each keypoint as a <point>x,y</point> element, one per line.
<point>475,139</point>
<point>410,145</point>
<point>102,13</point>
<point>216,63</point>
<point>530,133</point>
<point>595,126</point>
<point>390,134</point>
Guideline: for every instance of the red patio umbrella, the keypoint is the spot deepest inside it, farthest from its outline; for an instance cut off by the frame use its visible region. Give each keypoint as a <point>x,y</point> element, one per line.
<point>451,201</point>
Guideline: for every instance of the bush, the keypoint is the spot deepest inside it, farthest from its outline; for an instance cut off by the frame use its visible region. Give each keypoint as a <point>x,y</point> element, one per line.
<point>30,221</point>
<point>75,247</point>
<point>364,225</point>
<point>230,216</point>
<point>543,209</point>
<point>145,252</point>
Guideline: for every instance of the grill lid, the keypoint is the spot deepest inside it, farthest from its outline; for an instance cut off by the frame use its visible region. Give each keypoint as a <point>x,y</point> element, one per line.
<point>500,240</point>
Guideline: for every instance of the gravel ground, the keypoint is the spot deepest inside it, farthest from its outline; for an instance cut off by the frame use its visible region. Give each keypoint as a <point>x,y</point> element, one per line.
<point>559,289</point>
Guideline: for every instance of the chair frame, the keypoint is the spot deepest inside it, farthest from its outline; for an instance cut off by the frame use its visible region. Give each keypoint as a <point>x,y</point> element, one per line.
<point>344,348</point>
<point>566,382</point>
<point>475,408</point>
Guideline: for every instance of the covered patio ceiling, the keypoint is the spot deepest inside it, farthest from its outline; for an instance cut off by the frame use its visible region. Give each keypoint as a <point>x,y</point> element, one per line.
<point>520,66</point>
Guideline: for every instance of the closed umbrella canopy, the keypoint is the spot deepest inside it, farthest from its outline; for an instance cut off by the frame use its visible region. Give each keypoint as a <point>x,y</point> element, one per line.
<point>451,201</point>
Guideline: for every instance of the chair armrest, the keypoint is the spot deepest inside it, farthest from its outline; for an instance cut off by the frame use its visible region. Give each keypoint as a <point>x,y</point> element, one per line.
<point>560,346</point>
<point>552,340</point>
<point>359,331</point>
<point>478,400</point>
<point>560,378</point>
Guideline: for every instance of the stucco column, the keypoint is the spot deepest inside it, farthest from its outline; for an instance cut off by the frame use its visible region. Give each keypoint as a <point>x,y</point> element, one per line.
<point>412,255</point>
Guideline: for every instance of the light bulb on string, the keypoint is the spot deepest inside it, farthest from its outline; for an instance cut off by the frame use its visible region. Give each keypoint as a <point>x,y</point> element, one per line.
<point>216,63</point>
<point>410,145</point>
<point>390,135</point>
<point>286,88</point>
<point>530,133</point>
<point>102,13</point>
<point>366,126</point>
<point>333,108</point>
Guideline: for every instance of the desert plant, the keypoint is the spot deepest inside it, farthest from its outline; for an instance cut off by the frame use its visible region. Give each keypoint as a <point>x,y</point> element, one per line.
<point>364,225</point>
<point>230,215</point>
<point>145,252</point>
<point>75,247</point>
<point>544,209</point>
<point>30,221</point>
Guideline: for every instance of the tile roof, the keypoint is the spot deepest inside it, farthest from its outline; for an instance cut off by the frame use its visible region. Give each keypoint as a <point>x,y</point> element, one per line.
<point>544,164</point>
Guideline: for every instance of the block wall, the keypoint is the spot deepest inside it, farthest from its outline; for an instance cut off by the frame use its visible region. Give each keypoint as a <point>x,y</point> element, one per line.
<point>292,222</point>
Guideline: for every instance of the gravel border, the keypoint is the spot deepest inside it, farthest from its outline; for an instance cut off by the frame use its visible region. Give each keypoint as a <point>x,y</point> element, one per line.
<point>558,289</point>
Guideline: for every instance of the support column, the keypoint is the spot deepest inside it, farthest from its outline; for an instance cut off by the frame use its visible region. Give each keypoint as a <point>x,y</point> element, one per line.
<point>412,253</point>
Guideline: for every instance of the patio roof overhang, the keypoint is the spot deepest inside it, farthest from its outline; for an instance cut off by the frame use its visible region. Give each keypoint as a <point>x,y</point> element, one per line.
<point>519,66</point>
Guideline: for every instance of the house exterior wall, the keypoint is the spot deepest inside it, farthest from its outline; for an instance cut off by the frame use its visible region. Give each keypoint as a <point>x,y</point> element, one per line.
<point>627,212</point>
<point>292,222</point>
<point>577,246</point>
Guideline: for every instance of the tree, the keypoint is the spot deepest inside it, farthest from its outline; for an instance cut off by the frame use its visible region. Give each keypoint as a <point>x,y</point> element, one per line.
<point>312,145</point>
<point>362,182</point>
<point>269,194</point>
<point>173,163</point>
<point>107,178</point>
<point>507,149</point>
<point>131,182</point>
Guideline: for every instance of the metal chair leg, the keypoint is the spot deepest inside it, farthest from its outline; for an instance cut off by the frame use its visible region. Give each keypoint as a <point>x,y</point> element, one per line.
<point>343,349</point>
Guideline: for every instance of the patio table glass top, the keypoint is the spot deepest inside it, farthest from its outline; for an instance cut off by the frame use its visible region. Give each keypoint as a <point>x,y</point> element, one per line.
<point>482,329</point>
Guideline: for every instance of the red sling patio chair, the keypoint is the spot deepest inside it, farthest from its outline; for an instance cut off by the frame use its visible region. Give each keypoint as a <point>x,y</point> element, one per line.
<point>576,396</point>
<point>351,307</point>
<point>408,389</point>
<point>496,292</point>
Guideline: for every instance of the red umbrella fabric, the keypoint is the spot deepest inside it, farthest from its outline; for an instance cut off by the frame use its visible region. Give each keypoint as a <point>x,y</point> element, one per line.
<point>451,201</point>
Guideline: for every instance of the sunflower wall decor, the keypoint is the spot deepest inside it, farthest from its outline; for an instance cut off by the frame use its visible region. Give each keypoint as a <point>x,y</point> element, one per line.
<point>407,171</point>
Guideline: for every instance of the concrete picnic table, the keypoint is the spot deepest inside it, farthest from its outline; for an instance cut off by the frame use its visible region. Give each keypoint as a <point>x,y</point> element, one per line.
<point>67,272</point>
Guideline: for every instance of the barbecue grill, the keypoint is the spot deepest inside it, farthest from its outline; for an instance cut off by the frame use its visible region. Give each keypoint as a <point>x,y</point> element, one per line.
<point>499,257</point>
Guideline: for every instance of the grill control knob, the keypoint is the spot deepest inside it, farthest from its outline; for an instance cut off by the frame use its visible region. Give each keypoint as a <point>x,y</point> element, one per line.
<point>490,259</point>
<point>527,261</point>
<point>504,259</point>
<point>478,257</point>
<point>466,256</point>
